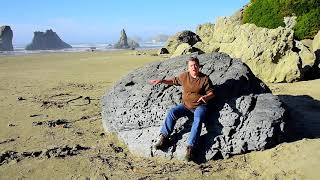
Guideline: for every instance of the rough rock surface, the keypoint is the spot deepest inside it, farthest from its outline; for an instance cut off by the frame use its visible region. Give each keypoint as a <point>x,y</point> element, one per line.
<point>244,116</point>
<point>316,48</point>
<point>271,54</point>
<point>133,44</point>
<point>48,40</point>
<point>124,42</point>
<point>188,37</point>
<point>6,36</point>
<point>162,51</point>
<point>290,22</point>
<point>184,48</point>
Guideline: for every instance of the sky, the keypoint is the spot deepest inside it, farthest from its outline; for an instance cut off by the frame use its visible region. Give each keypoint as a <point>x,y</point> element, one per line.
<point>100,21</point>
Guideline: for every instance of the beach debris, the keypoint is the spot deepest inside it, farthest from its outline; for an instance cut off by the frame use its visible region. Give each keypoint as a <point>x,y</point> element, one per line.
<point>62,103</point>
<point>11,125</point>
<point>116,149</point>
<point>79,133</point>
<point>47,104</point>
<point>36,115</point>
<point>60,94</point>
<point>7,141</point>
<point>88,99</point>
<point>53,123</point>
<point>65,151</point>
<point>21,98</point>
<point>79,97</point>
<point>93,117</point>
<point>57,152</point>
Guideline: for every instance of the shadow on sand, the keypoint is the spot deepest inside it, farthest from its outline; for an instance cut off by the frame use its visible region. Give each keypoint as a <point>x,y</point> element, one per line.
<point>304,117</point>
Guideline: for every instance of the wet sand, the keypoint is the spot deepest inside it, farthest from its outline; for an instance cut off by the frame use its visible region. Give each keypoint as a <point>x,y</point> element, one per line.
<point>51,126</point>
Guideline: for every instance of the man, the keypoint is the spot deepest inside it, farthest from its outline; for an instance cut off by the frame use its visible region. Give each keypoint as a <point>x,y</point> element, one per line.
<point>197,91</point>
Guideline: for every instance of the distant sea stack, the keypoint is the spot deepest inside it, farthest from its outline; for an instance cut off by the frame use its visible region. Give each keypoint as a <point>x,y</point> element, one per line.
<point>124,43</point>
<point>6,36</point>
<point>48,40</point>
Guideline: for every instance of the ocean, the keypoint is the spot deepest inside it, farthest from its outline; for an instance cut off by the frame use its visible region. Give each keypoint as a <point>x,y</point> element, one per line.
<point>81,47</point>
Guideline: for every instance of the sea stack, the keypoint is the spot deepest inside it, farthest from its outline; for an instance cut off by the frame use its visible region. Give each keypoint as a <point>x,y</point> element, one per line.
<point>124,43</point>
<point>6,36</point>
<point>48,40</point>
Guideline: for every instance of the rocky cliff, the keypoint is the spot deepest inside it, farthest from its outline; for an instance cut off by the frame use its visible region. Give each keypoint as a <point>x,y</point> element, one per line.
<point>6,36</point>
<point>48,40</point>
<point>272,54</point>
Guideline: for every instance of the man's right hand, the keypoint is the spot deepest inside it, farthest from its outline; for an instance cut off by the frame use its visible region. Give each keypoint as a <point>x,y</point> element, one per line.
<point>155,81</point>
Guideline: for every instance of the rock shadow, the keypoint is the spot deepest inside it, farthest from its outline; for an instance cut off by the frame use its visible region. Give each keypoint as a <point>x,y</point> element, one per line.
<point>304,117</point>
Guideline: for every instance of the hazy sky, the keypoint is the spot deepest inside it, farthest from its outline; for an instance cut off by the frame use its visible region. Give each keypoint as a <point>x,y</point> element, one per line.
<point>90,21</point>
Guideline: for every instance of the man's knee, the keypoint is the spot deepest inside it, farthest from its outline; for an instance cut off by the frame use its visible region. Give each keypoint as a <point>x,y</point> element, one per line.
<point>174,111</point>
<point>177,112</point>
<point>200,111</point>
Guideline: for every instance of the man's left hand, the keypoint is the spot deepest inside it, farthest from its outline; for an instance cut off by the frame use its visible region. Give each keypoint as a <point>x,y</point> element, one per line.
<point>203,99</point>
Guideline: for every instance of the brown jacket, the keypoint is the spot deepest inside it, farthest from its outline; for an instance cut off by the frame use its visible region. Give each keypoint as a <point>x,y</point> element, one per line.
<point>193,88</point>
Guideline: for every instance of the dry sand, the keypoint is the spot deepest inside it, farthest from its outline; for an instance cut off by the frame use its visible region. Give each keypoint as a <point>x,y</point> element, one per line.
<point>56,88</point>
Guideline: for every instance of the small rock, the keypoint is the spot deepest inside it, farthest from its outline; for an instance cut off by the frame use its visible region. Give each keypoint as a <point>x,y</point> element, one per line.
<point>11,125</point>
<point>21,98</point>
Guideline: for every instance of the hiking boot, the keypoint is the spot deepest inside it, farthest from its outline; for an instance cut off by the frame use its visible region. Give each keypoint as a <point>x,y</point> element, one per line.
<point>162,142</point>
<point>188,153</point>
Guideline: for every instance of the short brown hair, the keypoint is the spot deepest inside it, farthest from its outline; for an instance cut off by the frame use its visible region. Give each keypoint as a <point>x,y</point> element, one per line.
<point>194,59</point>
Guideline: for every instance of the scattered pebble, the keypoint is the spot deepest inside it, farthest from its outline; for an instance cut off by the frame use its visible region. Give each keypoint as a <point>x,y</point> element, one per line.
<point>79,133</point>
<point>53,123</point>
<point>116,148</point>
<point>21,98</point>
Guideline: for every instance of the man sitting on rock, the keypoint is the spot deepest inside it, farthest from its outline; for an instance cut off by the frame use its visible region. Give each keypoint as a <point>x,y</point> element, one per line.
<point>197,91</point>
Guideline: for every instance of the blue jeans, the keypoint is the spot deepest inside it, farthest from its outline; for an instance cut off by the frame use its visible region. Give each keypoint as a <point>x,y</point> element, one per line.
<point>199,114</point>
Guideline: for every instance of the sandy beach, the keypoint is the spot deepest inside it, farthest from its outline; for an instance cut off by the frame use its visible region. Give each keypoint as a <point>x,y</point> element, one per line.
<point>51,126</point>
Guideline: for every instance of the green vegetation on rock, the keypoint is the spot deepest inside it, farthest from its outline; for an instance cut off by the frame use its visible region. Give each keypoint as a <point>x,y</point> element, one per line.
<point>270,14</point>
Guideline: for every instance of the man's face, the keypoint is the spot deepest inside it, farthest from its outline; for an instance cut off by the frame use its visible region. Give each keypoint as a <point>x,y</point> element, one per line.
<point>193,67</point>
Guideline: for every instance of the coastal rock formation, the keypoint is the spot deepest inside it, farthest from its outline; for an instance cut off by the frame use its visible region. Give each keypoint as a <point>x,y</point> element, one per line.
<point>188,37</point>
<point>6,36</point>
<point>243,117</point>
<point>271,54</point>
<point>316,48</point>
<point>184,48</point>
<point>133,44</point>
<point>290,22</point>
<point>48,40</point>
<point>124,43</point>
<point>163,51</point>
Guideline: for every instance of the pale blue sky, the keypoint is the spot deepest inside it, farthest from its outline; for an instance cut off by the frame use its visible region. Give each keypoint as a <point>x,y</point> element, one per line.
<point>90,21</point>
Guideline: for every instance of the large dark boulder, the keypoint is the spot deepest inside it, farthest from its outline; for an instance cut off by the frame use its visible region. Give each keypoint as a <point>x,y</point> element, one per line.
<point>179,38</point>
<point>244,116</point>
<point>6,36</point>
<point>48,40</point>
